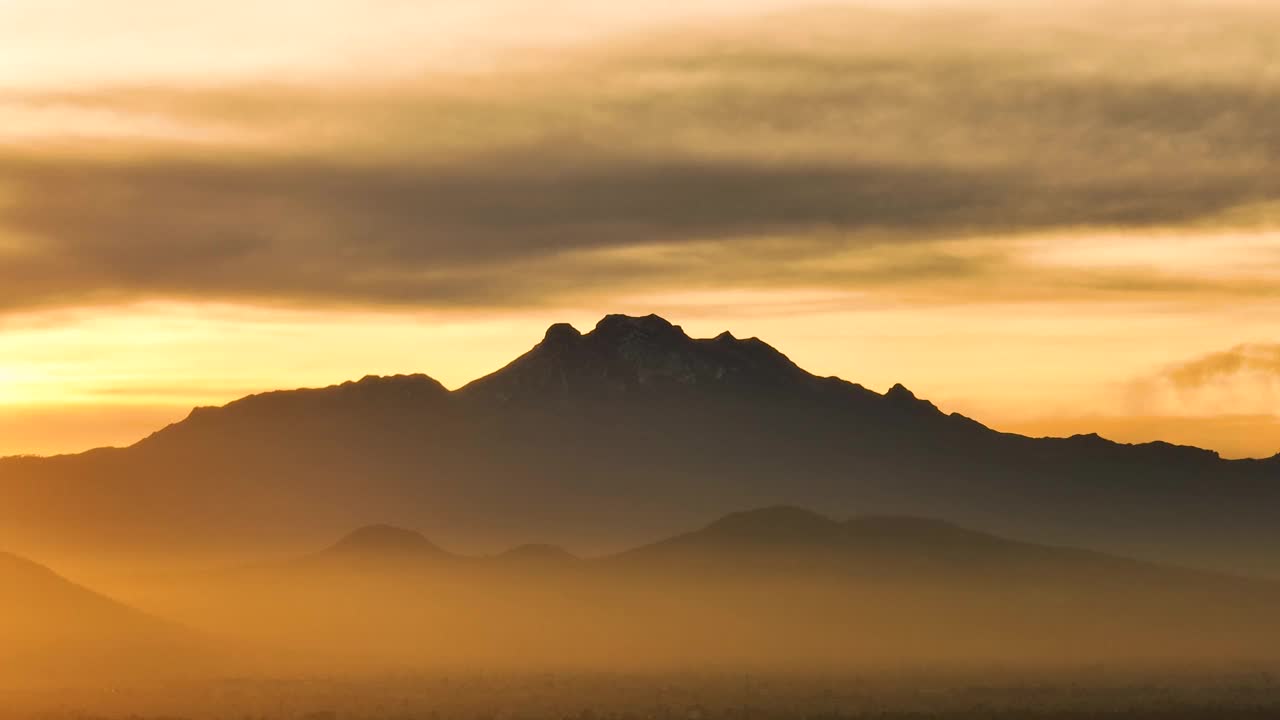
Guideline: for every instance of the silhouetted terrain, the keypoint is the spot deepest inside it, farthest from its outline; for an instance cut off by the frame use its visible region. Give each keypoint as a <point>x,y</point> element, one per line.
<point>772,590</point>
<point>53,631</point>
<point>633,430</point>
<point>877,608</point>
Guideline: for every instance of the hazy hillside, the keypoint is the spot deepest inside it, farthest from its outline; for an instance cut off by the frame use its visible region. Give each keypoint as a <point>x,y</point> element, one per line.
<point>773,589</point>
<point>633,430</point>
<point>56,632</point>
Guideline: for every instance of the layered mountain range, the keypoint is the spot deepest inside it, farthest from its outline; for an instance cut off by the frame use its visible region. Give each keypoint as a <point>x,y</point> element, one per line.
<point>777,588</point>
<point>632,430</point>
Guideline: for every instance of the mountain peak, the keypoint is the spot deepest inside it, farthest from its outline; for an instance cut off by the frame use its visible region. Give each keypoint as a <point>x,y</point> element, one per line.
<point>652,325</point>
<point>900,392</point>
<point>385,540</point>
<point>561,332</point>
<point>626,354</point>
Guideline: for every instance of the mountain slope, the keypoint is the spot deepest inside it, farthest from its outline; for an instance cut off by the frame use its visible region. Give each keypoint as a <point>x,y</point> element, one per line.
<point>55,631</point>
<point>788,541</point>
<point>629,431</point>
<point>377,549</point>
<point>778,588</point>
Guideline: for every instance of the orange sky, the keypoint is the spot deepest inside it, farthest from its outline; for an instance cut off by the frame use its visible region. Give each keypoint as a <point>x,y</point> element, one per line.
<point>1055,218</point>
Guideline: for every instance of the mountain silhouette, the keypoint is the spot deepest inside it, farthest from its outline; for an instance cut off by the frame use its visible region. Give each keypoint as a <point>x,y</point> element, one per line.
<point>385,541</point>
<point>374,549</point>
<point>785,540</point>
<point>772,587</point>
<point>31,592</point>
<point>881,549</point>
<point>631,430</point>
<point>628,356</point>
<point>51,626</point>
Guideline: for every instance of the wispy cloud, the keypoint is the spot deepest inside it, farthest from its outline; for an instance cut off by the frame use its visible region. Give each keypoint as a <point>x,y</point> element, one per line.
<point>1258,361</point>
<point>1241,380</point>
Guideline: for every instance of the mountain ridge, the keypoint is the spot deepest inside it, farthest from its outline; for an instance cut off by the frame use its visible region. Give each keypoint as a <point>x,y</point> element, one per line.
<point>632,429</point>
<point>622,329</point>
<point>52,625</point>
<point>777,584</point>
<point>782,530</point>
<point>619,331</point>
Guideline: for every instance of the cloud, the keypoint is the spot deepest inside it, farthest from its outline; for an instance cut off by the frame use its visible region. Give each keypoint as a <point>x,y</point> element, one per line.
<point>846,149</point>
<point>1242,380</point>
<point>1253,360</point>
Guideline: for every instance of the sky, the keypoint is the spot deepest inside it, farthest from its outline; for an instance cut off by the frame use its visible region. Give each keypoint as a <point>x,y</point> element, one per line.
<point>1055,217</point>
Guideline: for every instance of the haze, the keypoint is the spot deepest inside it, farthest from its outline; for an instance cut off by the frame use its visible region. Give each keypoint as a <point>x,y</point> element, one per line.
<point>1075,200</point>
<point>675,360</point>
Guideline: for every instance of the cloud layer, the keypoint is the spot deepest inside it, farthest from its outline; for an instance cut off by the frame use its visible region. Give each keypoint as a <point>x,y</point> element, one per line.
<point>909,150</point>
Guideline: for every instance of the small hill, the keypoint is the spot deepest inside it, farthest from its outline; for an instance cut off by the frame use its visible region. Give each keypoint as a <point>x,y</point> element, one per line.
<point>378,547</point>
<point>384,540</point>
<point>788,540</point>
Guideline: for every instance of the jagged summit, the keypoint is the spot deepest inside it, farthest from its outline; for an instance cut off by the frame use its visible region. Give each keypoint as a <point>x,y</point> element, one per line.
<point>624,354</point>
<point>900,392</point>
<point>561,332</point>
<point>903,400</point>
<point>650,324</point>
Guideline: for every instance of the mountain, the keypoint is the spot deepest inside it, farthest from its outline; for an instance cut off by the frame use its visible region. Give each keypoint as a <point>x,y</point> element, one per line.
<point>56,631</point>
<point>786,541</point>
<point>377,549</point>
<point>632,430</point>
<point>383,542</point>
<point>882,550</point>
<point>777,587</point>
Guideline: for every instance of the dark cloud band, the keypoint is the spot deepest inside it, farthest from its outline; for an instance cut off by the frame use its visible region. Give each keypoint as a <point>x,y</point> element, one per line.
<point>502,191</point>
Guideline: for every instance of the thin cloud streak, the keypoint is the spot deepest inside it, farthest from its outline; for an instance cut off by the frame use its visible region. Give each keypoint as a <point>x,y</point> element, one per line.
<point>1260,360</point>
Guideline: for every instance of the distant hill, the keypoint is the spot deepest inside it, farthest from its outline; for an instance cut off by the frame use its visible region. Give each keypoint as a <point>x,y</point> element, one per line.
<point>54,631</point>
<point>783,541</point>
<point>776,587</point>
<point>382,542</point>
<point>881,551</point>
<point>629,431</point>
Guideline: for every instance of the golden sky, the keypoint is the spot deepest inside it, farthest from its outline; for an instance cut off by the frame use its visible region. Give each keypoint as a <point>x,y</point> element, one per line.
<point>1054,217</point>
